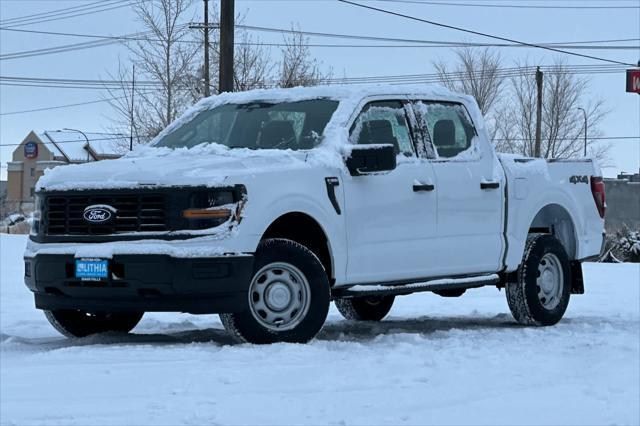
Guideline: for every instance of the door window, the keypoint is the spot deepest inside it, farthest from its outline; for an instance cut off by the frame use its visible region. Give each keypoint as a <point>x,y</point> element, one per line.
<point>383,122</point>
<point>447,126</point>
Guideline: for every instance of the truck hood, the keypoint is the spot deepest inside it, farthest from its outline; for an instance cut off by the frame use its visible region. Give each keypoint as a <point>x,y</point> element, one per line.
<point>205,165</point>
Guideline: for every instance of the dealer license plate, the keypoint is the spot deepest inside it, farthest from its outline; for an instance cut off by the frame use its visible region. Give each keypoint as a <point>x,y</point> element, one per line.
<point>92,269</point>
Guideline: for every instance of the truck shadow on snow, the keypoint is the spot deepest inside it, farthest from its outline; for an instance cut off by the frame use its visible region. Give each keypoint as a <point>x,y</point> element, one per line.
<point>359,331</point>
<point>340,331</point>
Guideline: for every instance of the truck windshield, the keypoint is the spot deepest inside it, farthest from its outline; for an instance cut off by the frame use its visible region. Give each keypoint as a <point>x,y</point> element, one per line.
<point>259,125</point>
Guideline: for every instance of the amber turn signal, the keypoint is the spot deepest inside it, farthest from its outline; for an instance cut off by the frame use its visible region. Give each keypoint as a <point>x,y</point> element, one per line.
<point>206,214</point>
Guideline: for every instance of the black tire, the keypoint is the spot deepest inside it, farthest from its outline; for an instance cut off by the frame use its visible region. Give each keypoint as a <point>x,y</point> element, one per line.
<point>75,323</point>
<point>365,308</point>
<point>246,327</point>
<point>526,298</point>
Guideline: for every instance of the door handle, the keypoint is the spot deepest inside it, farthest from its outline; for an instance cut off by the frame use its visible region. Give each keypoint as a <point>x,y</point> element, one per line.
<point>423,187</point>
<point>489,185</point>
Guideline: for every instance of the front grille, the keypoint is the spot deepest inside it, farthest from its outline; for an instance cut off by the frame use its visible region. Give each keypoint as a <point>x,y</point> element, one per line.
<point>135,213</point>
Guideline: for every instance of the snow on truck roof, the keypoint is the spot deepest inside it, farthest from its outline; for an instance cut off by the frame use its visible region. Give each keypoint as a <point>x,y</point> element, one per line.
<point>338,92</point>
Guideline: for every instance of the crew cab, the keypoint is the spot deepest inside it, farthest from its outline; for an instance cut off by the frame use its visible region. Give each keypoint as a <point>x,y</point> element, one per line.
<point>265,206</point>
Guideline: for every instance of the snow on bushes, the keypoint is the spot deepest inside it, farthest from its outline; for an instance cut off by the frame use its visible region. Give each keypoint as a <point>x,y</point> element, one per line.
<point>623,246</point>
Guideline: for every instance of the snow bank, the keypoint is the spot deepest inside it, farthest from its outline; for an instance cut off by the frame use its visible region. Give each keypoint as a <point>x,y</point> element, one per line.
<point>433,361</point>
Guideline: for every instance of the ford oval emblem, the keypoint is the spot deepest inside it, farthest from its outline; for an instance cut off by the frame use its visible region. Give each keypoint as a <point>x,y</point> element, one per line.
<point>99,213</point>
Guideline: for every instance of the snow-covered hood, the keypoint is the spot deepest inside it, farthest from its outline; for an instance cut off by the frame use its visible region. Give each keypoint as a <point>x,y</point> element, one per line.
<point>205,165</point>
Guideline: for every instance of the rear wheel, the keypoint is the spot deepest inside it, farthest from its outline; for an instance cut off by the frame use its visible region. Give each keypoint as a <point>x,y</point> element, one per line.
<point>288,298</point>
<point>540,294</point>
<point>75,323</point>
<point>365,308</point>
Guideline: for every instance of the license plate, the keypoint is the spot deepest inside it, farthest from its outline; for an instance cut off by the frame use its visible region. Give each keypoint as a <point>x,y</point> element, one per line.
<point>92,269</point>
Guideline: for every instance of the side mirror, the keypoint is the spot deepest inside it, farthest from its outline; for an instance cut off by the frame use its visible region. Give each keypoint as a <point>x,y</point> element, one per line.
<point>366,159</point>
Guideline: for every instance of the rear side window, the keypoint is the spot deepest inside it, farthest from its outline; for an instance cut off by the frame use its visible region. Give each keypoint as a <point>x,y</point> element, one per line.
<point>448,127</point>
<point>383,122</point>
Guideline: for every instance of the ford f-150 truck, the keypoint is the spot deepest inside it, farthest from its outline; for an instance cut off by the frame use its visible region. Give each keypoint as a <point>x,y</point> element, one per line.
<point>265,206</point>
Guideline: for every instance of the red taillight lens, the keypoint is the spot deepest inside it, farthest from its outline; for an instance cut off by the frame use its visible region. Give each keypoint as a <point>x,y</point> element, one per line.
<point>597,189</point>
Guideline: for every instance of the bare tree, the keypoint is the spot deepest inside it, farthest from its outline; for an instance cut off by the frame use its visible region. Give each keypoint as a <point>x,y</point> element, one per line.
<point>476,73</point>
<point>121,97</point>
<point>170,69</point>
<point>562,121</point>
<point>165,57</point>
<point>298,67</point>
<point>253,67</point>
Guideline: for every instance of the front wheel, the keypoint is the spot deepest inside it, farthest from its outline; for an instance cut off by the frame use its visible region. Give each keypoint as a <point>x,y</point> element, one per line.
<point>288,297</point>
<point>365,308</point>
<point>76,323</point>
<point>540,294</point>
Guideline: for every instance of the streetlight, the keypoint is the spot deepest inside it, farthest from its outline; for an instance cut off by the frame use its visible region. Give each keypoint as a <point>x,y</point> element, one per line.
<point>585,130</point>
<point>85,137</point>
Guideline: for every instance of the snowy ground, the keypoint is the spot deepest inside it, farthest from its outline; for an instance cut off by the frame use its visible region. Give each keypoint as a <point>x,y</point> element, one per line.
<point>433,361</point>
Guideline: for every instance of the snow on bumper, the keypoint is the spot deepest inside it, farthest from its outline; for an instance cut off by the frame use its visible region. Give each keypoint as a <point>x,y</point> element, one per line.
<point>198,247</point>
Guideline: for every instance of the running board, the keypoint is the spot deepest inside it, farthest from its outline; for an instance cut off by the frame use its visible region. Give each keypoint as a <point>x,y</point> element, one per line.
<point>362,290</point>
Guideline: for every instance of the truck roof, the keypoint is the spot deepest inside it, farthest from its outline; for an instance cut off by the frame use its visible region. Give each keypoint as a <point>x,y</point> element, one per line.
<point>337,92</point>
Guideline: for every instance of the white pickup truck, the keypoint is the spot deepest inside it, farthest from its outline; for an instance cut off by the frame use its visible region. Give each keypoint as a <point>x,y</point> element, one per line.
<point>266,205</point>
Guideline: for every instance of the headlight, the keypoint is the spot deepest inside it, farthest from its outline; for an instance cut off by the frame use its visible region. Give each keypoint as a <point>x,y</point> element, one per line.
<point>35,221</point>
<point>211,208</point>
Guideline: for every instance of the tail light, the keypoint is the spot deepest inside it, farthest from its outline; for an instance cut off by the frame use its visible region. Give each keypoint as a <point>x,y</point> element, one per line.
<point>597,189</point>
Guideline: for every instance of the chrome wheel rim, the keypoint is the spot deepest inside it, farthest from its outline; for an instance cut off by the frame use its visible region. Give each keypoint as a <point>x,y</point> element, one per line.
<point>279,296</point>
<point>550,281</point>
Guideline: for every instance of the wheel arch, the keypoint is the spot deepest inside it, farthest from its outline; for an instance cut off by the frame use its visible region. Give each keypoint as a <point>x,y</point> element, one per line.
<point>556,220</point>
<point>306,230</point>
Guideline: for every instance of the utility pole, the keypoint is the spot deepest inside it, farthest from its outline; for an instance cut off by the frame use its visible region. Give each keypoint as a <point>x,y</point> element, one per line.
<point>207,75</point>
<point>536,148</point>
<point>585,130</point>
<point>205,26</point>
<point>133,92</point>
<point>227,17</point>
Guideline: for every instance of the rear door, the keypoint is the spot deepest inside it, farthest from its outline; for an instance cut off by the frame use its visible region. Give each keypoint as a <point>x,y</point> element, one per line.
<point>470,188</point>
<point>391,217</point>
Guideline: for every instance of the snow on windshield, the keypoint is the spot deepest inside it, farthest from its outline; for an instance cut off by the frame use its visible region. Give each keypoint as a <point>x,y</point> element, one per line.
<point>257,125</point>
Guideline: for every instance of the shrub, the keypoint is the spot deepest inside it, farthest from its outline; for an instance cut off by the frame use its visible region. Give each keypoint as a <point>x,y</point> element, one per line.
<point>623,246</point>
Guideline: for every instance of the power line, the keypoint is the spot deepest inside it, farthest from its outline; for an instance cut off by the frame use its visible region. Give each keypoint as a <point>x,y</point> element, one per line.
<point>104,41</point>
<point>47,13</point>
<point>102,8</point>
<point>505,6</point>
<point>142,36</point>
<point>452,27</point>
<point>375,38</point>
<point>389,79</point>
<point>63,106</point>
<point>101,84</point>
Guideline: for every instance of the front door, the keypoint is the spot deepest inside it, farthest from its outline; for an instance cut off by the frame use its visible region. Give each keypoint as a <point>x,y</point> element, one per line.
<point>391,216</point>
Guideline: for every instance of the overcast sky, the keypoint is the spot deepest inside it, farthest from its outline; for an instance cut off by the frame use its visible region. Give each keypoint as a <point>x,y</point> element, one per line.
<point>525,24</point>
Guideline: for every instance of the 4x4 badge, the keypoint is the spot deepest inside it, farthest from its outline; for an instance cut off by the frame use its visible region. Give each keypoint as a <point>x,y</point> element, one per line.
<point>579,179</point>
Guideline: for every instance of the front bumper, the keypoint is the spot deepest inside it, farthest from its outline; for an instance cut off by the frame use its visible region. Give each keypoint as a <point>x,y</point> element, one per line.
<point>143,282</point>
